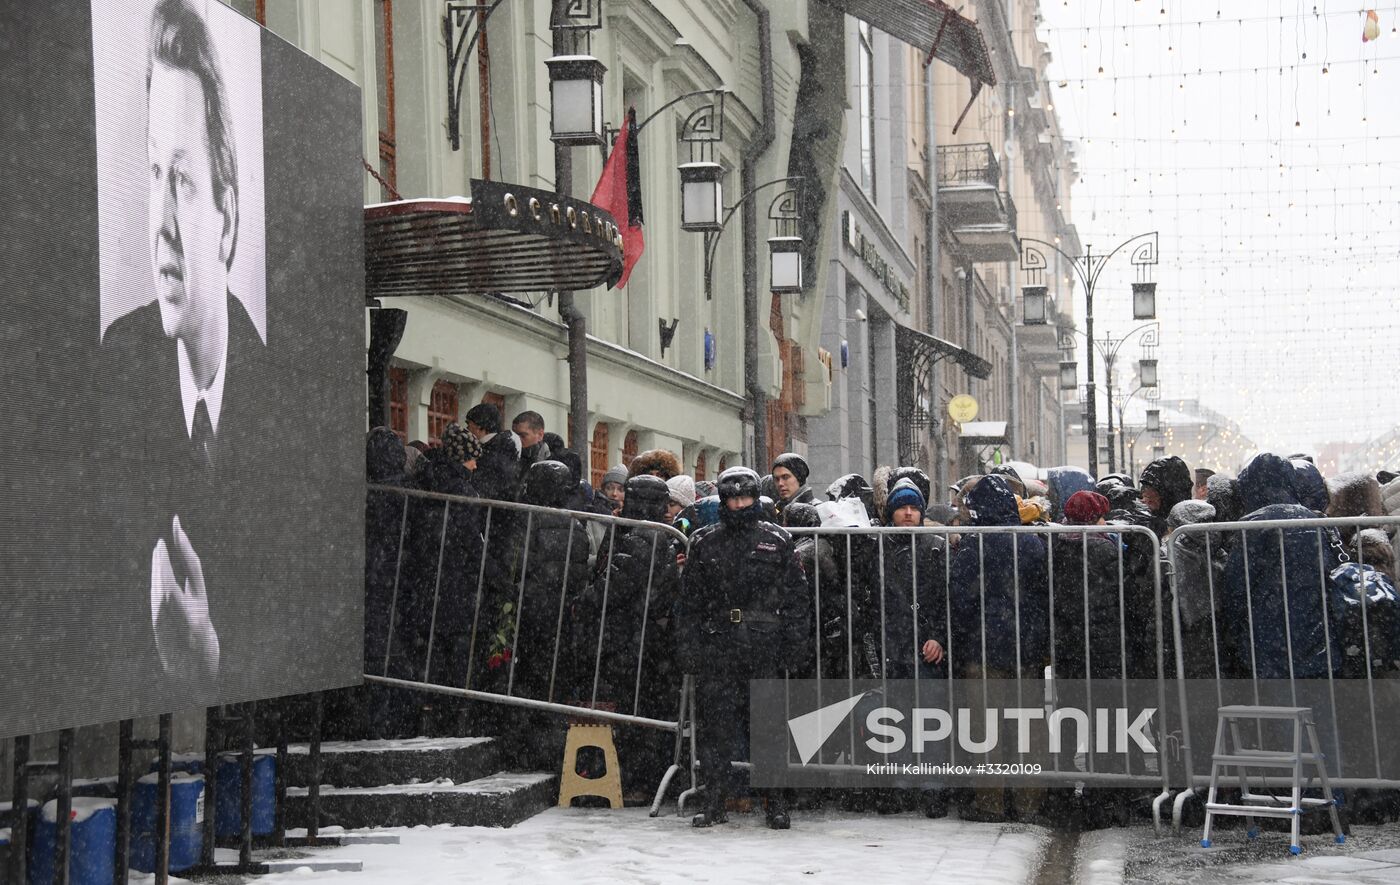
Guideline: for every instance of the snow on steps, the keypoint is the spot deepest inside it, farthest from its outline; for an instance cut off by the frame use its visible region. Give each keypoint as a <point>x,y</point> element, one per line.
<point>405,761</point>
<point>405,783</point>
<point>499,800</point>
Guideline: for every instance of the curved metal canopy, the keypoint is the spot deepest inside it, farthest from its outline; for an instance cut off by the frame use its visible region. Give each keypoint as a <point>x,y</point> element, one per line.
<point>503,238</point>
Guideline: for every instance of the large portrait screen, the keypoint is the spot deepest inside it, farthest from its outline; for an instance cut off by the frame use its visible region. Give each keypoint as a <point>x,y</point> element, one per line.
<point>181,307</point>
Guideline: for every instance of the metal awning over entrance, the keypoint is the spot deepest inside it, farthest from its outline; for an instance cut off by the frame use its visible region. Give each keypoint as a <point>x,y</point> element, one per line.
<point>503,238</point>
<point>934,28</point>
<point>916,353</point>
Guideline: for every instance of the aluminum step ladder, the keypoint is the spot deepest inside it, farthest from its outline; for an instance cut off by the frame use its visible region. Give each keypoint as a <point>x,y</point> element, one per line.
<point>1240,757</point>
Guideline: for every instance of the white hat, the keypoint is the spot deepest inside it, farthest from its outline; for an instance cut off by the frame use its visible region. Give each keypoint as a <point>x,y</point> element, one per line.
<point>682,490</point>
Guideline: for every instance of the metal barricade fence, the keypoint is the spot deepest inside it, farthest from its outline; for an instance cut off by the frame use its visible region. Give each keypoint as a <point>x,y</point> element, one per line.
<point>1070,572</point>
<point>1258,616</point>
<point>520,594</point>
<point>450,564</point>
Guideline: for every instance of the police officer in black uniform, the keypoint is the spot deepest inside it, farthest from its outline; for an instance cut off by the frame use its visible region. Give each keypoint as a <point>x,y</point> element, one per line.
<point>742,615</point>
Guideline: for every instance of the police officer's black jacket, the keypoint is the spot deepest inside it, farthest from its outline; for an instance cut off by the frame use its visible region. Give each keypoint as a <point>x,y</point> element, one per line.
<point>743,605</point>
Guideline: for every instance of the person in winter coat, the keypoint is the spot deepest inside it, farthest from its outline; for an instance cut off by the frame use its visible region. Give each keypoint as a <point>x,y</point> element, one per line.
<point>439,584</point>
<point>373,710</point>
<point>551,574</point>
<point>790,473</point>
<point>920,480</point>
<point>497,470</point>
<point>1085,593</point>
<point>528,428</point>
<point>1165,483</point>
<point>1313,491</point>
<point>741,615</point>
<point>614,487</point>
<point>1353,494</point>
<point>997,581</point>
<point>1198,561</point>
<point>682,495</point>
<point>657,462</point>
<point>1271,588</point>
<point>911,611</point>
<point>853,485</point>
<point>632,601</point>
<point>1064,482</point>
<point>826,592</point>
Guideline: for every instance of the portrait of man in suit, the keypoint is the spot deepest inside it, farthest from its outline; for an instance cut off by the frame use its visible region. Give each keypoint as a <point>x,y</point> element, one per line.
<point>186,368</point>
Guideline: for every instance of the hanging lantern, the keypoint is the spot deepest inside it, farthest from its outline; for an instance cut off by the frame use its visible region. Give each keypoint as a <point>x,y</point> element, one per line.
<point>1159,452</point>
<point>576,99</point>
<point>1033,305</point>
<point>702,197</point>
<point>1069,379</point>
<point>785,265</point>
<point>1154,420</point>
<point>1144,301</point>
<point>1147,373</point>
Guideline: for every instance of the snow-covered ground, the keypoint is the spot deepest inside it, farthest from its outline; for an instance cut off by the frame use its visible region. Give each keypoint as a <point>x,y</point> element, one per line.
<point>579,845</point>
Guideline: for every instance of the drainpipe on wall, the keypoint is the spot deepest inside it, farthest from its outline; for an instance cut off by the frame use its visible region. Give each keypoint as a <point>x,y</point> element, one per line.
<point>748,178</point>
<point>933,280</point>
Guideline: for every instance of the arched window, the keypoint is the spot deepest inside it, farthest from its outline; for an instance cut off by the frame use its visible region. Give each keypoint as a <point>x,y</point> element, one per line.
<point>723,466</point>
<point>629,448</point>
<point>700,466</point>
<point>598,455</point>
<point>442,409</point>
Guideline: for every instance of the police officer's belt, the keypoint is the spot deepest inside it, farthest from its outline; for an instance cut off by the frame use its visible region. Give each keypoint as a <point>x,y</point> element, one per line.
<point>746,616</point>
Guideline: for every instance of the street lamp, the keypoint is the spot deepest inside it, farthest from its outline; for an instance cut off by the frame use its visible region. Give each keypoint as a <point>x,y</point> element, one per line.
<point>1159,452</point>
<point>785,265</point>
<point>1087,268</point>
<point>1154,420</point>
<point>702,197</point>
<point>1144,301</point>
<point>1147,373</point>
<point>1033,303</point>
<point>1068,378</point>
<point>576,100</point>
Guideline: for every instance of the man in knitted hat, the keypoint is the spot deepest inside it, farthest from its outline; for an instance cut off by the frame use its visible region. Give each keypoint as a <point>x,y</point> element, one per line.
<point>790,473</point>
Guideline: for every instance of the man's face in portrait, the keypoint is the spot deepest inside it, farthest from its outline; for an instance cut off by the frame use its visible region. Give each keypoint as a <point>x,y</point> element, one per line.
<point>191,232</point>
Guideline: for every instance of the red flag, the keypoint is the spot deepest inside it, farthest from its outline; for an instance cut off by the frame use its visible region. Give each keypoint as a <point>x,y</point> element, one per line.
<point>619,193</point>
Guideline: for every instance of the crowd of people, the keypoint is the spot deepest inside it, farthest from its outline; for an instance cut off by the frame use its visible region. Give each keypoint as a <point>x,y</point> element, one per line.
<point>561,602</point>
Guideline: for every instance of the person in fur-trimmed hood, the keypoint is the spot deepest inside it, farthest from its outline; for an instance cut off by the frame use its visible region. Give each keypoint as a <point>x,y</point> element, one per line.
<point>657,462</point>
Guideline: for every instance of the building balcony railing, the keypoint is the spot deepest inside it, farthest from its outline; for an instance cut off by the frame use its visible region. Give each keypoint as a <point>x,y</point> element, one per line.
<point>963,165</point>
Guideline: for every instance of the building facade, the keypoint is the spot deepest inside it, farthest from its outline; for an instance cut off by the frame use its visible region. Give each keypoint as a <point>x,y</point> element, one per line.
<point>941,178</point>
<point>666,365</point>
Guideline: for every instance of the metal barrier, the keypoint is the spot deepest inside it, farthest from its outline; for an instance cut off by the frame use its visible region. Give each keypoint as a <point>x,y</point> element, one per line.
<point>1066,583</point>
<point>456,557</point>
<point>503,551</point>
<point>1255,610</point>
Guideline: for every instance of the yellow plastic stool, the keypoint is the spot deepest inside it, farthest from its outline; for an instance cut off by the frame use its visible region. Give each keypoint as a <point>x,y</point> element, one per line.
<point>571,783</point>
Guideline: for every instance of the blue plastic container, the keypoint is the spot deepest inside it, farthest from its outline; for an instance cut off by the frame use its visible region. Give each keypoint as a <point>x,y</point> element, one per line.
<point>186,818</point>
<point>228,797</point>
<point>92,838</point>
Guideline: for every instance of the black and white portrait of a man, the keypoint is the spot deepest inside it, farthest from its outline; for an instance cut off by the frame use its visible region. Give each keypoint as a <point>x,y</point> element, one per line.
<point>184,319</point>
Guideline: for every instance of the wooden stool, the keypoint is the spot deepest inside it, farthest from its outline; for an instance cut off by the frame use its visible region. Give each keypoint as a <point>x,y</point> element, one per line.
<point>571,783</point>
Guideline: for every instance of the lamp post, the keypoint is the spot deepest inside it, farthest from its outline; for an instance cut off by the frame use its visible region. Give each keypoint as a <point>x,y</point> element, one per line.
<point>568,20</point>
<point>1153,423</point>
<point>1087,268</point>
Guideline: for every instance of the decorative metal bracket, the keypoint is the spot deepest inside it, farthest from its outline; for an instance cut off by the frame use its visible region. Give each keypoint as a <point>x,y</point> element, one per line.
<point>712,237</point>
<point>462,24</point>
<point>668,333</point>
